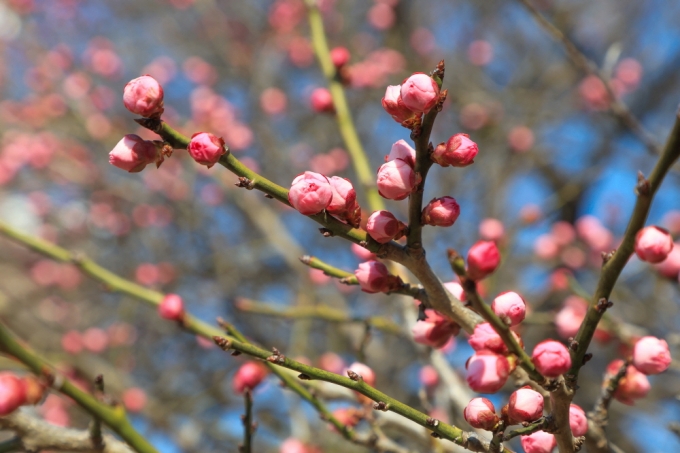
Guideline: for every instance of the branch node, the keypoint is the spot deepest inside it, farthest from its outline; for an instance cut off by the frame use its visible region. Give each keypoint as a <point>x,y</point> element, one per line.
<point>245,183</point>
<point>354,376</point>
<point>642,188</point>
<point>432,422</point>
<point>326,232</point>
<point>603,304</point>
<point>222,343</point>
<point>381,406</point>
<point>304,377</point>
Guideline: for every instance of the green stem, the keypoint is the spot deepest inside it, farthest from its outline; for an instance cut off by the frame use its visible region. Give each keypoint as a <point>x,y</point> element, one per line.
<point>342,113</point>
<point>114,417</point>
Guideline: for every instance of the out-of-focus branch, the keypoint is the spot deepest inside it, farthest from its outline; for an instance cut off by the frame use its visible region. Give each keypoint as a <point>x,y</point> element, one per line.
<point>599,416</point>
<point>114,417</point>
<point>343,115</point>
<point>618,108</point>
<point>248,427</point>
<point>34,434</point>
<point>321,312</point>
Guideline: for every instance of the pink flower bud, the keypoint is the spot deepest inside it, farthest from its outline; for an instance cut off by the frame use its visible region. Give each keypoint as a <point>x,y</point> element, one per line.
<point>459,151</point>
<point>441,212</point>
<point>480,414</point>
<point>651,355</point>
<point>12,393</point>
<point>428,376</point>
<point>348,416</point>
<point>249,375</point>
<point>374,277</point>
<point>310,193</point>
<point>491,230</point>
<point>538,442</point>
<point>483,258</point>
<point>396,179</point>
<point>551,358</point>
<point>206,148</point>
<point>404,151</point>
<point>133,153</point>
<point>634,384</point>
<point>596,235</point>
<point>670,267</point>
<point>340,56</point>
<point>144,96</point>
<point>344,202</point>
<point>568,320</point>
<point>484,337</point>
<point>321,101</point>
<point>525,405</point>
<point>653,244</point>
<point>292,445</point>
<point>420,92</point>
<point>487,371</point>
<point>171,307</point>
<point>435,331</point>
<point>510,307</point>
<point>457,290</point>
<point>577,421</point>
<point>134,399</point>
<point>364,371</point>
<point>394,105</point>
<point>382,226</point>
<point>362,253</point>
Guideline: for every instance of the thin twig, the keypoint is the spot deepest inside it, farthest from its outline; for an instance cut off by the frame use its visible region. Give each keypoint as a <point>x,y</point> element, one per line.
<point>247,419</point>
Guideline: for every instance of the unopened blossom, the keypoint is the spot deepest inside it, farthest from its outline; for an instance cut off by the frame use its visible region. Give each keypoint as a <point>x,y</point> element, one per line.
<point>577,421</point>
<point>485,337</point>
<point>670,267</point>
<point>144,96</point>
<point>374,277</point>
<point>634,384</point>
<point>404,151</point>
<point>442,212</point>
<point>171,307</point>
<point>344,202</point>
<point>483,258</point>
<point>340,56</point>
<point>538,442</point>
<point>525,405</point>
<point>510,307</point>
<point>321,100</point>
<point>396,179</point>
<point>132,153</point>
<point>382,226</point>
<point>568,320</point>
<point>435,330</point>
<point>651,355</point>
<point>310,193</point>
<point>249,376</point>
<point>206,148</point>
<point>481,414</point>
<point>458,151</point>
<point>428,377</point>
<point>487,371</point>
<point>394,104</point>
<point>551,358</point>
<point>363,370</point>
<point>292,445</point>
<point>420,93</point>
<point>457,290</point>
<point>12,393</point>
<point>491,230</point>
<point>653,244</point>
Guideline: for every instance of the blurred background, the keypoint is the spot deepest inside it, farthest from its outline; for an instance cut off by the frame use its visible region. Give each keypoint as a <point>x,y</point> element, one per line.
<point>553,184</point>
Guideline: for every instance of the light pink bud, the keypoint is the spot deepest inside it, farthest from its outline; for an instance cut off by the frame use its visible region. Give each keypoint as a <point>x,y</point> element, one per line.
<point>481,414</point>
<point>651,355</point>
<point>670,267</point>
<point>484,337</point>
<point>344,203</point>
<point>441,212</point>
<point>340,56</point>
<point>374,277</point>
<point>420,92</point>
<point>206,148</point>
<point>310,193</point>
<point>394,105</point>
<point>12,393</point>
<point>435,331</point>
<point>551,358</point>
<point>404,151</point>
<point>510,307</point>
<point>653,244</point>
<point>322,101</point>
<point>364,371</point>
<point>457,290</point>
<point>458,151</point>
<point>382,226</point>
<point>483,258</point>
<point>568,320</point>
<point>525,405</point>
<point>577,421</point>
<point>134,399</point>
<point>487,371</point>
<point>428,376</point>
<point>538,442</point>
<point>596,235</point>
<point>144,96</point>
<point>362,253</point>
<point>171,307</point>
<point>292,445</point>
<point>491,230</point>
<point>634,384</point>
<point>396,179</point>
<point>249,375</point>
<point>133,153</point>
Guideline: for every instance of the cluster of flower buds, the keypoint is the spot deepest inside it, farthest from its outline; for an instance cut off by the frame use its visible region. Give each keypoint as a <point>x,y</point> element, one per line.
<point>310,193</point>
<point>435,330</point>
<point>374,277</point>
<point>397,177</point>
<point>417,95</point>
<point>16,391</point>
